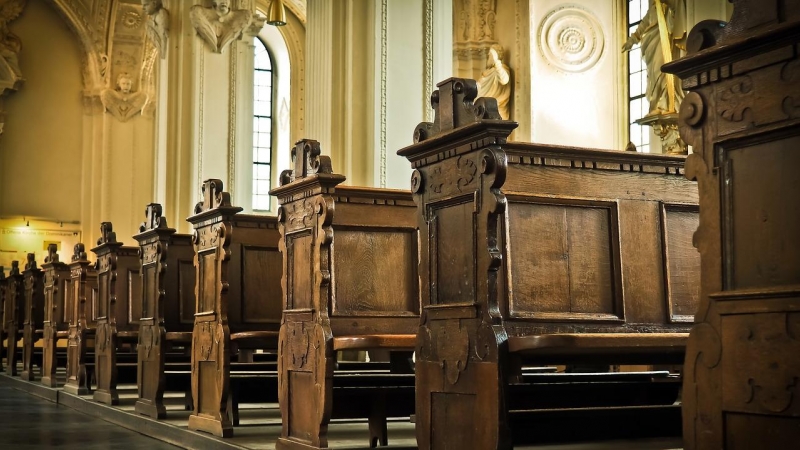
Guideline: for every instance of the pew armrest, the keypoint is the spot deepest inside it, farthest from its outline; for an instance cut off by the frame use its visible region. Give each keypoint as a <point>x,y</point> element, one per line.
<point>611,347</point>
<point>376,341</point>
<point>39,332</point>
<point>255,339</point>
<point>128,335</point>
<point>179,336</point>
<point>62,334</point>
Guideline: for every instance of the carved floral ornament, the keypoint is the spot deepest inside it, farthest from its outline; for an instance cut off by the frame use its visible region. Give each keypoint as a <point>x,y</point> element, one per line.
<point>571,39</point>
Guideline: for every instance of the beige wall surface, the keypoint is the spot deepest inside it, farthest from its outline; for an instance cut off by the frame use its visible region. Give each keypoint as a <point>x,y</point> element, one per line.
<point>40,148</point>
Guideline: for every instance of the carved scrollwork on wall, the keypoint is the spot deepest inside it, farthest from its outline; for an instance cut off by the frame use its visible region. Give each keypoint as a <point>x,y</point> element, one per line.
<point>571,39</point>
<point>734,99</point>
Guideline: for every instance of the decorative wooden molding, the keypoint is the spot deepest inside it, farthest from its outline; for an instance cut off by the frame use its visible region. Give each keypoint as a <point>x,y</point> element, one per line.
<point>153,218</point>
<point>107,234</point>
<point>214,197</point>
<point>30,263</point>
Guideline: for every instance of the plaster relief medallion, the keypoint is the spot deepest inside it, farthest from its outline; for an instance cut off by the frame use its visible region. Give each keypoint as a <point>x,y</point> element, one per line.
<point>571,39</point>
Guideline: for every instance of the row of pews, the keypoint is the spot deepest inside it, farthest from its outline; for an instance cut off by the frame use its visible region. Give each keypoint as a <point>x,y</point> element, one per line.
<point>505,299</point>
<point>498,291</point>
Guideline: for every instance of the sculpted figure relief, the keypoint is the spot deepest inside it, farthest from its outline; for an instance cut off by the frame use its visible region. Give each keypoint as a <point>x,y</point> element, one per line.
<point>10,45</point>
<point>662,35</point>
<point>121,102</point>
<point>219,25</point>
<point>157,26</point>
<point>495,80</point>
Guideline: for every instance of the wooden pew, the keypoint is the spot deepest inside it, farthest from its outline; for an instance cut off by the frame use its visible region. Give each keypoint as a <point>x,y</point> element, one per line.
<point>55,323</point>
<point>350,283</point>
<point>33,317</point>
<point>168,302</point>
<point>3,282</point>
<point>117,319</point>
<point>81,301</point>
<point>238,272</point>
<point>548,255</point>
<point>13,316</point>
<point>740,115</point>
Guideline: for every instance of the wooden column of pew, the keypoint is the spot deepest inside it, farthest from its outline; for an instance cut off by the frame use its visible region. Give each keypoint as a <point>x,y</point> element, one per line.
<point>55,322</point>
<point>117,319</point>
<point>13,316</point>
<point>167,310</point>
<point>80,304</point>
<point>3,285</point>
<point>350,283</point>
<point>741,115</point>
<point>545,255</point>
<point>33,318</point>
<point>238,293</point>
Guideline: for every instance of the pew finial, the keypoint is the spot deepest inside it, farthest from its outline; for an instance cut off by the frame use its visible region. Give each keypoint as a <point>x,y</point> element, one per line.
<point>154,218</point>
<point>79,252</point>
<point>30,262</point>
<point>107,234</point>
<point>307,160</point>
<point>214,196</point>
<point>455,105</point>
<point>14,268</point>
<point>52,254</point>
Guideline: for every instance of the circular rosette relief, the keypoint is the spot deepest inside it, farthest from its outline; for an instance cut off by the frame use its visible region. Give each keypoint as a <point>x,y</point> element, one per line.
<point>571,39</point>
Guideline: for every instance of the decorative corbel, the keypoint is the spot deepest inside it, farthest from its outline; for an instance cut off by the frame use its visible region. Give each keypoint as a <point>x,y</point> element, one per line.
<point>219,25</point>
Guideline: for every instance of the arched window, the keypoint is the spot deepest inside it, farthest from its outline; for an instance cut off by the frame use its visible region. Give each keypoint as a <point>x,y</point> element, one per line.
<point>263,126</point>
<point>637,81</point>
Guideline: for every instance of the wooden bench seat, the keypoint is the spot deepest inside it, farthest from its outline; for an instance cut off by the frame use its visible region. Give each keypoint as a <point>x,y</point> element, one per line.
<point>55,322</point>
<point>538,253</point>
<point>80,306</point>
<point>166,306</point>
<point>238,273</point>
<point>33,313</point>
<point>13,316</point>
<point>612,348</point>
<point>350,283</point>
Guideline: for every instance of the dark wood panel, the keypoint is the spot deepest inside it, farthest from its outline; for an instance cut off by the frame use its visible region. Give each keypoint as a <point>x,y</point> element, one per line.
<point>186,281</point>
<point>262,300</point>
<point>570,248</point>
<point>208,282</point>
<point>762,237</point>
<point>453,254</point>
<point>376,272</point>
<point>299,251</point>
<point>683,262</point>
<point>134,296</point>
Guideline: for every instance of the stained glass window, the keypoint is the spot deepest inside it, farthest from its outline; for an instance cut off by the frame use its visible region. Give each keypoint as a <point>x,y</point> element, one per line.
<point>262,126</point>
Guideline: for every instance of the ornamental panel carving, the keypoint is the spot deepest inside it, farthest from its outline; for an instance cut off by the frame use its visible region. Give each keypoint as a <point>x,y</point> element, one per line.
<point>571,39</point>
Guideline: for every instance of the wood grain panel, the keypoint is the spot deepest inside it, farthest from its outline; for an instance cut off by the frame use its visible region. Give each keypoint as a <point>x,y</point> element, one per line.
<point>299,250</point>
<point>762,224</point>
<point>134,296</point>
<point>186,283</point>
<point>683,261</point>
<point>150,292</point>
<point>562,258</point>
<point>207,282</point>
<point>376,272</point>
<point>262,297</point>
<point>452,255</point>
<point>101,305</point>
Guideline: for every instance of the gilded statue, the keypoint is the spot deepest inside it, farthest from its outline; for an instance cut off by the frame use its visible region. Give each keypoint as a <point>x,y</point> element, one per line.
<point>157,25</point>
<point>10,45</point>
<point>219,25</point>
<point>122,102</point>
<point>495,80</point>
<point>662,35</point>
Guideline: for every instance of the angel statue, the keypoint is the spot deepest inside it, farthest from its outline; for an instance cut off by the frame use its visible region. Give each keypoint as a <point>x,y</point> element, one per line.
<point>495,79</point>
<point>157,26</point>
<point>218,25</point>
<point>662,35</point>
<point>121,102</point>
<point>10,45</point>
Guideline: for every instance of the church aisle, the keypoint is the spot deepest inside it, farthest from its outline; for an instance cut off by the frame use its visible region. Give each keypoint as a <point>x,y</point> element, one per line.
<point>29,422</point>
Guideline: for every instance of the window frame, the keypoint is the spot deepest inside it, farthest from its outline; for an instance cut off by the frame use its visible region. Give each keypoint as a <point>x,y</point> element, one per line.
<point>272,117</point>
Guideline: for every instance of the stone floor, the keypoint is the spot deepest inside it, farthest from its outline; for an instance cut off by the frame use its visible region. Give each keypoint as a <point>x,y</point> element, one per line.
<point>28,422</point>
